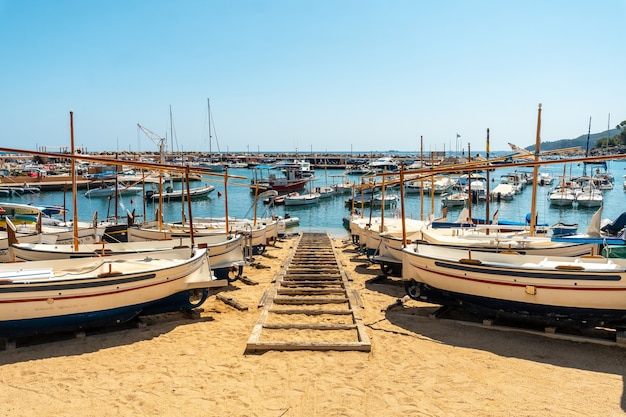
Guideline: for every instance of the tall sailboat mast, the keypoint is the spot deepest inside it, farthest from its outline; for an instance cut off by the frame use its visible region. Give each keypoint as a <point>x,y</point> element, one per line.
<point>210,140</point>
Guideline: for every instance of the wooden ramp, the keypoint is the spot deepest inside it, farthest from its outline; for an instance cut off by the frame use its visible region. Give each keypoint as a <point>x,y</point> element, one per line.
<point>311,306</point>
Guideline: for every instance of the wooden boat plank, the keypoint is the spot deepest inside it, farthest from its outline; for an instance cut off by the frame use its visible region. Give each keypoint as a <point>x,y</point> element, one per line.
<point>309,326</point>
<point>308,291</point>
<point>311,311</point>
<point>358,346</point>
<point>309,300</point>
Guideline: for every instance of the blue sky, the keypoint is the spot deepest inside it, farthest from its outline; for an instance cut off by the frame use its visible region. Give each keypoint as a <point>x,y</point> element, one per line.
<point>323,75</point>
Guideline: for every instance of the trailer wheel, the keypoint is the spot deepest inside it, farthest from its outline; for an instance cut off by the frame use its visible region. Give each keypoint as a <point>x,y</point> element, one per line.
<point>413,289</point>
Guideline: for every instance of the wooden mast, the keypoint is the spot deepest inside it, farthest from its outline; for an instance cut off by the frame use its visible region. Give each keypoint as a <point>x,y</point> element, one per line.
<point>402,204</point>
<point>422,178</point>
<point>469,183</point>
<point>191,237</point>
<point>226,198</point>
<point>533,212</point>
<point>74,185</point>
<point>488,191</point>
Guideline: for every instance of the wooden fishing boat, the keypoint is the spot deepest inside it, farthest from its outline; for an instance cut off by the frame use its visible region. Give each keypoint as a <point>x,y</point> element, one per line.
<point>586,291</point>
<point>149,231</point>
<point>293,180</point>
<point>70,294</point>
<point>171,194</point>
<point>454,199</point>
<point>226,252</point>
<point>111,190</point>
<point>302,199</point>
<point>385,248</point>
<point>562,196</point>
<point>376,200</point>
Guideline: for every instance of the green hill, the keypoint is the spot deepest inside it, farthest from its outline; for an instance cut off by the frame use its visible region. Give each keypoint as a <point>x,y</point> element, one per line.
<point>579,141</point>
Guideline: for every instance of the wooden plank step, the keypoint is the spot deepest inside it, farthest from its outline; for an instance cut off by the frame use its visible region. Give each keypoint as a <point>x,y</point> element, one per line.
<point>311,312</point>
<point>309,326</point>
<point>258,346</point>
<point>314,271</point>
<point>325,274</point>
<point>310,291</point>
<point>313,261</point>
<point>316,277</point>
<point>309,300</point>
<point>298,283</point>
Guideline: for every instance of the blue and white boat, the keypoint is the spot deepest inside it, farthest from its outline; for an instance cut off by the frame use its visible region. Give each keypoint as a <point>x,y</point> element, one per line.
<point>40,297</point>
<point>585,291</point>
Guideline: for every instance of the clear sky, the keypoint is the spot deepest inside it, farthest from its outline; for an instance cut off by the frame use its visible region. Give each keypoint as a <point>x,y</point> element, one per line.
<point>317,75</point>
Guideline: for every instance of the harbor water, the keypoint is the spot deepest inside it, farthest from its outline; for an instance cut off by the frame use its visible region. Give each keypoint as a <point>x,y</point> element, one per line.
<point>328,214</point>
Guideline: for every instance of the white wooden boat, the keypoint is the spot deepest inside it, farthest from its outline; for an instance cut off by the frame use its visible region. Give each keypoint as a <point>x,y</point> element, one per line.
<point>302,199</point>
<point>454,199</point>
<point>545,178</point>
<point>590,197</point>
<point>441,184</point>
<point>388,252</point>
<point>149,231</point>
<point>375,200</point>
<point>171,194</point>
<point>262,228</point>
<point>70,294</point>
<point>587,291</point>
<point>111,190</point>
<point>502,191</point>
<point>343,187</point>
<point>325,191</point>
<point>226,252</point>
<point>562,197</point>
<point>521,242</point>
<point>46,230</point>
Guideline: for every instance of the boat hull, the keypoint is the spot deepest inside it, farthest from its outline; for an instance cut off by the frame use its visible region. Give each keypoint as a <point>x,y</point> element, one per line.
<point>551,290</point>
<point>54,296</point>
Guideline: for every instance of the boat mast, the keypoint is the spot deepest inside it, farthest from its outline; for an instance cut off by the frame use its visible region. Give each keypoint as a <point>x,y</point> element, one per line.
<point>587,150</point>
<point>74,186</point>
<point>422,178</point>
<point>487,214</point>
<point>402,205</point>
<point>210,140</point>
<point>469,183</point>
<point>533,211</point>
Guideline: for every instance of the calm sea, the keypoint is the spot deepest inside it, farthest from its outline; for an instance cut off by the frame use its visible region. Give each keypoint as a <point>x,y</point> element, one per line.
<point>327,215</point>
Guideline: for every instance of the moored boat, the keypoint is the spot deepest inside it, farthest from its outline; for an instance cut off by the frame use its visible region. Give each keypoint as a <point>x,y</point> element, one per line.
<point>171,194</point>
<point>302,199</point>
<point>111,190</point>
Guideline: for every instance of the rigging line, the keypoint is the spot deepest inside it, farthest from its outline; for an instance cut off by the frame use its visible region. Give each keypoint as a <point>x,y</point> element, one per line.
<point>215,132</point>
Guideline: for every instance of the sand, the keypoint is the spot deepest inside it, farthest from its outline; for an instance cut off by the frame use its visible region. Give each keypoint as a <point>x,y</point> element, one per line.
<point>418,366</point>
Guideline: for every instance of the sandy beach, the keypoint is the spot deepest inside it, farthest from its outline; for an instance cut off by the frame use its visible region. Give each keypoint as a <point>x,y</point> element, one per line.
<point>418,366</point>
